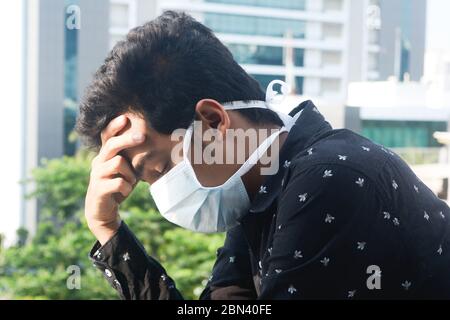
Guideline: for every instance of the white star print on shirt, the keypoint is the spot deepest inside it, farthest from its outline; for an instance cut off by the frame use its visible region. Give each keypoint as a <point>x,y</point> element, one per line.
<point>361,245</point>
<point>366,149</point>
<point>278,271</point>
<point>298,254</point>
<point>287,164</point>
<point>440,250</point>
<point>329,218</point>
<point>302,197</point>
<point>416,189</point>
<point>292,289</point>
<point>394,184</point>
<point>406,285</point>
<point>117,283</point>
<point>396,222</point>
<point>263,189</point>
<point>328,174</point>
<point>325,261</point>
<point>97,254</point>
<point>442,215</point>
<point>342,158</point>
<point>310,151</point>
<point>360,182</point>
<point>232,259</point>
<point>387,215</point>
<point>126,256</point>
<point>351,294</point>
<point>426,216</point>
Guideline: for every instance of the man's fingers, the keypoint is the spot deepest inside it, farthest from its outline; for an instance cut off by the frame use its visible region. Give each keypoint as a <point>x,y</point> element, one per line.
<point>118,185</point>
<point>113,128</point>
<point>116,144</point>
<point>118,166</point>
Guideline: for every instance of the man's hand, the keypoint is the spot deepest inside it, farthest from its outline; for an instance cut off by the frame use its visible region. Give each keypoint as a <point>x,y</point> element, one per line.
<point>111,180</point>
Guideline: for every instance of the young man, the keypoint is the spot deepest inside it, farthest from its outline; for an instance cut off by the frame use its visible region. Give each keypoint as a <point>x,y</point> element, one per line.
<point>339,218</point>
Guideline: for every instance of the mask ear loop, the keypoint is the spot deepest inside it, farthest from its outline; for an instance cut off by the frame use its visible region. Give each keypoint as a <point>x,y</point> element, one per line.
<point>272,96</point>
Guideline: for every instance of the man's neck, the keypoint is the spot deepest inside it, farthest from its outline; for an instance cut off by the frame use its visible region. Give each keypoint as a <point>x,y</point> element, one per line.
<point>254,179</point>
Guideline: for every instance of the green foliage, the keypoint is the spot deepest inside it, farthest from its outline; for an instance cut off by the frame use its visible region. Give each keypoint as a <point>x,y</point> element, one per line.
<point>38,269</point>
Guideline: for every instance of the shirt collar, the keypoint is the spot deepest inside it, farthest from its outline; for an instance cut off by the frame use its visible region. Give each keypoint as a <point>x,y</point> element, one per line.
<point>308,127</point>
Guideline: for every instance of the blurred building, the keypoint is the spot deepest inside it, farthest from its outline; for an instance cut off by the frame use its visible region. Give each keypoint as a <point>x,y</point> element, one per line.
<point>61,44</point>
<point>405,116</point>
<point>402,39</point>
<point>390,34</point>
<point>318,46</point>
<point>437,68</point>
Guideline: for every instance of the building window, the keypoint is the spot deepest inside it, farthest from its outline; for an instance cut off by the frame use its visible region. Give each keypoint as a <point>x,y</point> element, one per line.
<point>332,5</point>
<point>254,54</point>
<point>373,61</point>
<point>299,85</point>
<point>248,25</point>
<point>281,4</point>
<point>299,57</point>
<point>265,79</point>
<point>119,15</point>
<point>123,17</point>
<point>403,134</point>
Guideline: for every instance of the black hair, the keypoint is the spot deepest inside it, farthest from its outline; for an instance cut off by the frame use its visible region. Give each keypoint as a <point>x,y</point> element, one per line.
<point>161,70</point>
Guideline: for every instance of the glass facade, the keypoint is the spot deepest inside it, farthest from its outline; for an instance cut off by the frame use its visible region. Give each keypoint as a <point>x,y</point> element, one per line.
<point>282,4</point>
<point>263,55</point>
<point>299,85</point>
<point>253,54</point>
<point>403,134</point>
<point>255,26</point>
<point>406,28</point>
<point>265,79</point>
<point>70,83</point>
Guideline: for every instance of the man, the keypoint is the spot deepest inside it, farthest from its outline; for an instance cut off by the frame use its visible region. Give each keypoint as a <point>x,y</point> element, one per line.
<point>339,218</point>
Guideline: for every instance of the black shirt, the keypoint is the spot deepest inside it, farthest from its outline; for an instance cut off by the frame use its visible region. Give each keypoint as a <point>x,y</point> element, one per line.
<point>344,218</point>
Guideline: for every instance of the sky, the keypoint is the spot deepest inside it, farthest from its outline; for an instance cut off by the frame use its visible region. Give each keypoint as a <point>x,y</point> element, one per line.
<point>438,24</point>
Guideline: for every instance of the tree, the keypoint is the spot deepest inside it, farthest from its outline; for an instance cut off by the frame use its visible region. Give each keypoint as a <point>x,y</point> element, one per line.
<point>38,269</point>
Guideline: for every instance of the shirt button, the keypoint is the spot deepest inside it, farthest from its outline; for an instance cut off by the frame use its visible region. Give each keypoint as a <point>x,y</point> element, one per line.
<point>108,273</point>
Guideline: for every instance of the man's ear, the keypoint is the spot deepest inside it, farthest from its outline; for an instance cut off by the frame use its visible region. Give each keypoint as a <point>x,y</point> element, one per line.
<point>213,115</point>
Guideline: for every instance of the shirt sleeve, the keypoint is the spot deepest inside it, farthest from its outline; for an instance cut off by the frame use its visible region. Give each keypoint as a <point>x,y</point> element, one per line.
<point>127,267</point>
<point>137,276</point>
<point>320,235</point>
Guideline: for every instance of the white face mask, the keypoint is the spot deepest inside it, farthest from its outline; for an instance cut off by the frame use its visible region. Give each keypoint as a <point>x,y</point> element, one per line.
<point>181,199</point>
